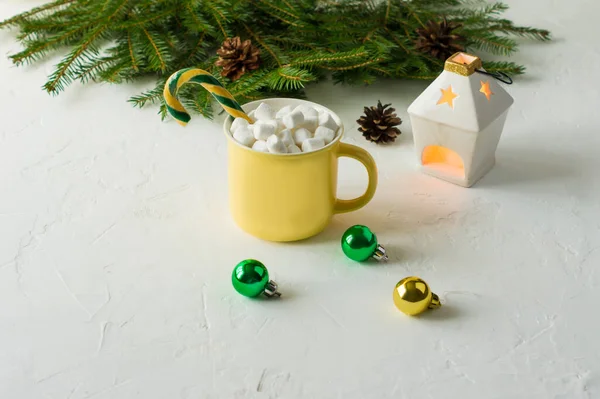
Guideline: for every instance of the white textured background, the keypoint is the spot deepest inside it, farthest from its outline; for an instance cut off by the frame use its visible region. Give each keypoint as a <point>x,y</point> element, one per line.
<point>116,249</point>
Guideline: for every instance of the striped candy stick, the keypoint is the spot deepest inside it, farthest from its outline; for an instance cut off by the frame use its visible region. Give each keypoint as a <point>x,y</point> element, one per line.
<point>206,80</point>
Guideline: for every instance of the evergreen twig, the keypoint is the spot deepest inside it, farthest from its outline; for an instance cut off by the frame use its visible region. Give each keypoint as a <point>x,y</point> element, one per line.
<point>302,41</point>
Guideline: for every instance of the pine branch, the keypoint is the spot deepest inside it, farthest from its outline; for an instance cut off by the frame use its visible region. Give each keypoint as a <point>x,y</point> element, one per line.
<point>23,17</point>
<point>86,49</point>
<point>137,22</point>
<point>270,49</point>
<point>522,31</point>
<point>199,101</point>
<point>156,50</point>
<point>89,70</point>
<point>250,83</point>
<point>149,97</point>
<point>218,14</point>
<point>327,59</point>
<point>301,42</point>
<point>355,66</point>
<point>510,68</point>
<point>289,13</point>
<point>278,13</point>
<point>37,49</point>
<point>491,43</point>
<point>194,20</point>
<point>289,78</point>
<point>412,13</point>
<point>195,54</point>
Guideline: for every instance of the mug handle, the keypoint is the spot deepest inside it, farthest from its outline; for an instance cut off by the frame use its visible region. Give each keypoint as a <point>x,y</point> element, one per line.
<point>354,152</point>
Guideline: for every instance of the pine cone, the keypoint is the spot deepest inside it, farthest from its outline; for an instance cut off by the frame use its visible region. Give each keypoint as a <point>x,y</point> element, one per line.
<point>377,125</point>
<point>237,57</point>
<point>438,40</point>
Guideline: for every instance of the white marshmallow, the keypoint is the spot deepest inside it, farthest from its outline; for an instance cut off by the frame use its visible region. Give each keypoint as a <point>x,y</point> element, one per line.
<point>286,137</point>
<point>280,126</point>
<point>308,111</point>
<point>325,119</point>
<point>264,129</point>
<point>293,120</point>
<point>312,144</point>
<point>237,123</point>
<point>325,133</point>
<point>260,146</point>
<point>264,112</point>
<point>310,123</point>
<point>283,112</point>
<point>244,136</point>
<point>311,112</point>
<point>275,145</point>
<point>251,115</point>
<point>293,149</point>
<point>300,135</point>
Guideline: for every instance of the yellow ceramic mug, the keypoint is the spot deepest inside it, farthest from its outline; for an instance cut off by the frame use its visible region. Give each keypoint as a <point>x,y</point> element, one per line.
<point>288,197</point>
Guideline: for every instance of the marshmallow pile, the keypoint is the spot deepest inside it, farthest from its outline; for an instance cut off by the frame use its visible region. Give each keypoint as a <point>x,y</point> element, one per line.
<point>286,131</point>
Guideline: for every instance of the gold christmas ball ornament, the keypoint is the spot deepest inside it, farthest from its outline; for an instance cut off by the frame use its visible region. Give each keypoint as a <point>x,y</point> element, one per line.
<point>412,296</point>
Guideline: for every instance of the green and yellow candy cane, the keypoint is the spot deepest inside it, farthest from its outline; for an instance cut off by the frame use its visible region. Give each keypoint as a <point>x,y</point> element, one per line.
<point>206,80</point>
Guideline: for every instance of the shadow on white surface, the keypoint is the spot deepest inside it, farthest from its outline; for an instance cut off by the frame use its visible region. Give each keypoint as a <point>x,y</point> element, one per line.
<point>287,294</point>
<point>526,166</point>
<point>446,312</point>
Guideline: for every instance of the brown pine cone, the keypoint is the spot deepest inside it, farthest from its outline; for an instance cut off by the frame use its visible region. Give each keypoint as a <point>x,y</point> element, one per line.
<point>237,57</point>
<point>378,124</point>
<point>438,40</point>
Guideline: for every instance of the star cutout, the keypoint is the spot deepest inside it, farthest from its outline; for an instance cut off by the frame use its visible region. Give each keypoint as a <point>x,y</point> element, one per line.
<point>447,97</point>
<point>485,89</point>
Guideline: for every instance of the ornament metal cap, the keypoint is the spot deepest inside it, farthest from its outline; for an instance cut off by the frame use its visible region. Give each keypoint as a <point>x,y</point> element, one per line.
<point>359,243</point>
<point>251,278</point>
<point>380,253</point>
<point>271,289</point>
<point>412,296</point>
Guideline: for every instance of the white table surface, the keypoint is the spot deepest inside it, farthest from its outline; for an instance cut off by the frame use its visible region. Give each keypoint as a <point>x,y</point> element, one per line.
<point>116,249</point>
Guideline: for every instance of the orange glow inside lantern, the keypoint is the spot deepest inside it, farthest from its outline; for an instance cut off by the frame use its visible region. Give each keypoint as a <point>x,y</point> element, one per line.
<point>443,159</point>
<point>464,59</point>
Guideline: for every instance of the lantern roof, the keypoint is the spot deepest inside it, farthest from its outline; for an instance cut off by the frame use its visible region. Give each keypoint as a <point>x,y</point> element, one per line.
<point>461,97</point>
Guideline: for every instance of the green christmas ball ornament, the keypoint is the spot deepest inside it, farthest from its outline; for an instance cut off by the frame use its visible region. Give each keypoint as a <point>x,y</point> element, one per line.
<point>359,243</point>
<point>251,278</point>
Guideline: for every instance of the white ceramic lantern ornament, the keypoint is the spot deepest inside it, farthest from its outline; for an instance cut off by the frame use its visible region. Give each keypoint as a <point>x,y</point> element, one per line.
<point>457,121</point>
